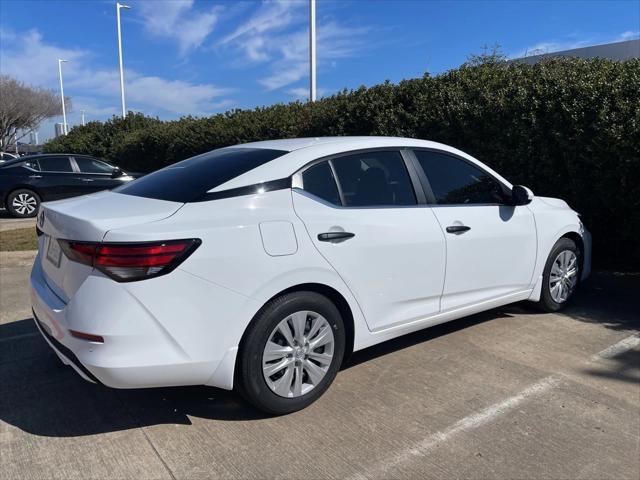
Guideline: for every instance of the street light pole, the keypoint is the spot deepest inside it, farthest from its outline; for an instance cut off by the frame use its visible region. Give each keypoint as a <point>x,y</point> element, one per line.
<point>82,111</point>
<point>118,7</point>
<point>312,50</point>
<point>64,112</point>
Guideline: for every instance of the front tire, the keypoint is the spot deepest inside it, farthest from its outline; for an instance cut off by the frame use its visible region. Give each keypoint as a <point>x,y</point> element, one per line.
<point>23,203</point>
<point>291,353</point>
<point>561,275</point>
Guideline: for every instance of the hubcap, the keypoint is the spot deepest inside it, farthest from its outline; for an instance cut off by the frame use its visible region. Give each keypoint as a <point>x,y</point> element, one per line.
<point>298,354</point>
<point>564,276</point>
<point>24,203</point>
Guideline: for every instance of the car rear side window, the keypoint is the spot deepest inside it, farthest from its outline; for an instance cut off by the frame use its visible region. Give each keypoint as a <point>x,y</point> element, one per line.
<point>456,182</point>
<point>191,179</point>
<point>55,164</point>
<point>28,164</point>
<point>318,180</point>
<point>374,179</point>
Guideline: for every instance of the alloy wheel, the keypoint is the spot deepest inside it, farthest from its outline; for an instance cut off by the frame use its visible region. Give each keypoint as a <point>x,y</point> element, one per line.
<point>24,203</point>
<point>298,354</point>
<point>564,276</point>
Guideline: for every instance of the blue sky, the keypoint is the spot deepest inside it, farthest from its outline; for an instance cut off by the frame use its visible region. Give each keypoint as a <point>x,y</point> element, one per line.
<point>202,57</point>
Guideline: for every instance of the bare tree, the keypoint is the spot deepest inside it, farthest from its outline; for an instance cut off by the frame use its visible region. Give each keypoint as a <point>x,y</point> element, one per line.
<point>22,108</point>
<point>490,55</point>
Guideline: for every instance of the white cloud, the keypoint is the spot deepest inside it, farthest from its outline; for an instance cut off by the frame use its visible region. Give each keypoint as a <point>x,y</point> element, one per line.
<point>334,42</point>
<point>278,33</point>
<point>29,58</point>
<point>178,20</point>
<point>287,75</point>
<point>151,92</point>
<point>270,16</point>
<point>175,96</point>
<point>628,35</point>
<point>302,93</point>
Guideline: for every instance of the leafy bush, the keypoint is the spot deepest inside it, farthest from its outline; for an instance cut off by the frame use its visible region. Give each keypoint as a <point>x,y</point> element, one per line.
<point>567,128</point>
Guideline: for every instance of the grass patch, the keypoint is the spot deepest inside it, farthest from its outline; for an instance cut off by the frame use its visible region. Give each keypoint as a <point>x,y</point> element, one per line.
<point>18,239</point>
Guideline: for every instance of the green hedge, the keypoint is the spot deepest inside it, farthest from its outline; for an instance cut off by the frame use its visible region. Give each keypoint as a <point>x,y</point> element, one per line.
<point>566,128</point>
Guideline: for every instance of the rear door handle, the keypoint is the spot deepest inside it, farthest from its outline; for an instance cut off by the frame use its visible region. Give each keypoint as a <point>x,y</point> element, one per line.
<point>35,176</point>
<point>335,236</point>
<point>458,229</point>
<point>87,179</point>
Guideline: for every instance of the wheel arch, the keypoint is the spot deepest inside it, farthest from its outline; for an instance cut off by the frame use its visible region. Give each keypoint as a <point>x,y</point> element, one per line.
<point>579,241</point>
<point>572,233</point>
<point>332,294</point>
<point>14,188</point>
<point>20,187</point>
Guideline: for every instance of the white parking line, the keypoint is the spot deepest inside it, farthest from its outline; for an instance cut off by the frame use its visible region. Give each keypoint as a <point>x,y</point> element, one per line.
<point>618,348</point>
<point>425,446</point>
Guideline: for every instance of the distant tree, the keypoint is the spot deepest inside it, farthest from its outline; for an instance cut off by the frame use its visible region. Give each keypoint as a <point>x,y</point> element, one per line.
<point>490,55</point>
<point>23,107</point>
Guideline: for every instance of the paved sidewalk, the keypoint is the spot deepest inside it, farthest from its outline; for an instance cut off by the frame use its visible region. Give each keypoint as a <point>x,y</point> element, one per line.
<point>9,223</point>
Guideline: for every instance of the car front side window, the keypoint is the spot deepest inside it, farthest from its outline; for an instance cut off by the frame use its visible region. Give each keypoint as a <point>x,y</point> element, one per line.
<point>457,182</point>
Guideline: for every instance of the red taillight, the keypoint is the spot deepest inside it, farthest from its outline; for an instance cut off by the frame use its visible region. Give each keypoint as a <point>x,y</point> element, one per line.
<point>126,262</point>
<point>79,252</point>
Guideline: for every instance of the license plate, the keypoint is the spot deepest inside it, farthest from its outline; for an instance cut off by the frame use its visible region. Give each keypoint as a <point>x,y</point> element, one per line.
<point>54,251</point>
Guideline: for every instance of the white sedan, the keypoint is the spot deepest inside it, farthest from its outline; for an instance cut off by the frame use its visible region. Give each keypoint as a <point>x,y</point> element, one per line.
<point>262,266</point>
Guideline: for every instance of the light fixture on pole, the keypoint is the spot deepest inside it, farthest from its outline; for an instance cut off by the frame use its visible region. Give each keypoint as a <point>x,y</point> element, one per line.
<point>64,112</point>
<point>312,50</point>
<point>118,7</point>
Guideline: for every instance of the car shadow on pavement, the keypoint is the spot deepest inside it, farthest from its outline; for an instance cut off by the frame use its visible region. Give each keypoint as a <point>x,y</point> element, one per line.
<point>609,299</point>
<point>41,396</point>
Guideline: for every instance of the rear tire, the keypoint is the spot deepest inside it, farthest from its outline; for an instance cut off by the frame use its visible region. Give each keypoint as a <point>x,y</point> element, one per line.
<point>281,368</point>
<point>23,203</point>
<point>561,276</point>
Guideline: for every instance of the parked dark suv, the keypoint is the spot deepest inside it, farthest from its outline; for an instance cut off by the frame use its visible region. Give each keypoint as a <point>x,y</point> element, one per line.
<point>27,181</point>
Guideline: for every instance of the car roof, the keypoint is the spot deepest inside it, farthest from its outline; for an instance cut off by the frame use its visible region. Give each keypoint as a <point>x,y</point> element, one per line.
<point>301,151</point>
<point>44,155</point>
<point>26,158</point>
<point>293,144</point>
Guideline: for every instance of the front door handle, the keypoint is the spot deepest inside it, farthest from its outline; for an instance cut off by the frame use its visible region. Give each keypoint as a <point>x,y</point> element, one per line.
<point>335,236</point>
<point>458,229</point>
<point>87,179</point>
<point>35,176</point>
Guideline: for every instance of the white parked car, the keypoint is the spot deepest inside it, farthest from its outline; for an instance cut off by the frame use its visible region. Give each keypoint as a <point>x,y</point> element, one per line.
<point>6,156</point>
<point>262,266</point>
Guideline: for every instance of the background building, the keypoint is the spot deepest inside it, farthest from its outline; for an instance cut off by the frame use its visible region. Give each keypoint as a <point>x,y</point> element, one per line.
<point>59,130</point>
<point>613,51</point>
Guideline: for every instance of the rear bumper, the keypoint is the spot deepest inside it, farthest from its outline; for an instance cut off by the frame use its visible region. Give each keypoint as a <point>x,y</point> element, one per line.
<point>66,355</point>
<point>171,341</point>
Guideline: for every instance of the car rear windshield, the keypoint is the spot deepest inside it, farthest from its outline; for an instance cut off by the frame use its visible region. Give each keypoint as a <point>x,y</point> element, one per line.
<point>190,179</point>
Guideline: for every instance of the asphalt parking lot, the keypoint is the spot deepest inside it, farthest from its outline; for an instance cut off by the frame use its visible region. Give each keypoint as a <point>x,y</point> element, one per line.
<point>509,393</point>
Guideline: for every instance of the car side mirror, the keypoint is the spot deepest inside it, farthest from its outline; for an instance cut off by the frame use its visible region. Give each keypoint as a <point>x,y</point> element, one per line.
<point>116,173</point>
<point>521,195</point>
